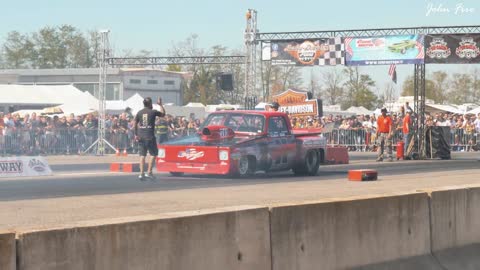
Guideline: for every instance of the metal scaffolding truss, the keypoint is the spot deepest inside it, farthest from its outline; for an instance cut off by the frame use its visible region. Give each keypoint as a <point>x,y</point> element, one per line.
<point>101,143</point>
<point>368,32</point>
<point>187,60</point>
<point>419,100</point>
<point>251,57</point>
<point>419,71</point>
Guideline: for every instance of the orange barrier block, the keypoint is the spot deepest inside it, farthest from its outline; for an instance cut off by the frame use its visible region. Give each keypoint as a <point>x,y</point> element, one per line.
<point>337,155</point>
<point>116,167</point>
<point>130,167</point>
<point>362,175</point>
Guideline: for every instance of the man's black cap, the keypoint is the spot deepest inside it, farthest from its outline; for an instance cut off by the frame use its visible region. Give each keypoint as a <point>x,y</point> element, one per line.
<point>275,105</point>
<point>147,102</point>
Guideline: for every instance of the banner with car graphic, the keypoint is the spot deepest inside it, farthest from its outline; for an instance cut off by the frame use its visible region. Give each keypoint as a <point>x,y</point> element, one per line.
<point>452,49</point>
<point>384,50</point>
<point>24,166</point>
<point>323,52</point>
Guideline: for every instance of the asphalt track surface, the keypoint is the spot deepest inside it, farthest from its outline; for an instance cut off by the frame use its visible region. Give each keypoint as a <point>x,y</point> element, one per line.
<point>78,193</point>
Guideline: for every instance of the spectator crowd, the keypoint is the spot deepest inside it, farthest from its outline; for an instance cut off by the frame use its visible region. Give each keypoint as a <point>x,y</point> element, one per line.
<point>33,134</point>
<point>359,132</point>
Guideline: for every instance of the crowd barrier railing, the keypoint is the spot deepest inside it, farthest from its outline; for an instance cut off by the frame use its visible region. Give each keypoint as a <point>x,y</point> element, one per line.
<point>77,141</point>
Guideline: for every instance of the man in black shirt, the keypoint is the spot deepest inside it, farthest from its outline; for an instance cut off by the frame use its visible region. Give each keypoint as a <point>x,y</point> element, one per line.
<point>145,134</point>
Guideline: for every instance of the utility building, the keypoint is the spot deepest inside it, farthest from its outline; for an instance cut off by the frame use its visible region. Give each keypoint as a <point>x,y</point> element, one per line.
<point>122,83</point>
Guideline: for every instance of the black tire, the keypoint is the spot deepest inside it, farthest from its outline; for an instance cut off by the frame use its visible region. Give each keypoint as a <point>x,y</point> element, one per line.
<point>246,167</point>
<point>310,164</point>
<point>177,173</point>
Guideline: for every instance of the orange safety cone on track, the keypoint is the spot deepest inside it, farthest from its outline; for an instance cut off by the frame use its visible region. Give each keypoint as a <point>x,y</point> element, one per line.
<point>125,152</point>
<point>117,152</point>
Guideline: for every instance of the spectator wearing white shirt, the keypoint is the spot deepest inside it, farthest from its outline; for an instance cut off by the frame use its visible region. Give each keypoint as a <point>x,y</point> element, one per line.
<point>477,123</point>
<point>368,126</point>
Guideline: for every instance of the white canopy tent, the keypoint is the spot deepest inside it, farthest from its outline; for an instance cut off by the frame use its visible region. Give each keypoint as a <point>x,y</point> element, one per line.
<point>81,105</point>
<point>195,104</point>
<point>359,110</point>
<point>66,97</point>
<point>474,111</point>
<point>135,102</point>
<point>436,108</point>
<point>48,95</point>
<point>261,106</point>
<point>115,106</point>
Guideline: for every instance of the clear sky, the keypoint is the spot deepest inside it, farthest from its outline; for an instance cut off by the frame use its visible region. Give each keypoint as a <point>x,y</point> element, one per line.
<point>156,24</point>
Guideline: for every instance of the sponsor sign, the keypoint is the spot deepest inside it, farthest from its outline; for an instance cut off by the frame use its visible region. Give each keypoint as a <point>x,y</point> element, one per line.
<point>191,154</point>
<point>24,166</point>
<point>297,103</point>
<point>328,51</point>
<point>452,49</point>
<point>384,50</point>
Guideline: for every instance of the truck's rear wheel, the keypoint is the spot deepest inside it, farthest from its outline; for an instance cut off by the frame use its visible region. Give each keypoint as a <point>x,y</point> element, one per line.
<point>310,164</point>
<point>246,167</point>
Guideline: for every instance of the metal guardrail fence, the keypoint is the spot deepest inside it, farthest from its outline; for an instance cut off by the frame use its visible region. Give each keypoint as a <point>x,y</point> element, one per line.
<point>76,141</point>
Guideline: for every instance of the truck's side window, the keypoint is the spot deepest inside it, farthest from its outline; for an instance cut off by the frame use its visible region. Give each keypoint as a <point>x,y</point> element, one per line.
<point>277,126</point>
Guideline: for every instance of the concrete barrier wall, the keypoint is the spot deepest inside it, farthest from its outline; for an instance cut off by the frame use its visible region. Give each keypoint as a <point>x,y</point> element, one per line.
<point>7,251</point>
<point>455,218</point>
<point>232,238</point>
<point>350,234</point>
<point>428,231</point>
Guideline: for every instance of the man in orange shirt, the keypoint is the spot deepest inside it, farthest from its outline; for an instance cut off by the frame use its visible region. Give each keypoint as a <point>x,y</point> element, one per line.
<point>407,128</point>
<point>384,135</point>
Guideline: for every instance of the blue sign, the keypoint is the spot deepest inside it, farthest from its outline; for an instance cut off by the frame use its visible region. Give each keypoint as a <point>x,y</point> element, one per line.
<point>384,50</point>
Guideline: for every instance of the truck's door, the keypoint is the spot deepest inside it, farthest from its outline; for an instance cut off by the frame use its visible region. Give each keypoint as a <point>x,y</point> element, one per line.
<point>281,143</point>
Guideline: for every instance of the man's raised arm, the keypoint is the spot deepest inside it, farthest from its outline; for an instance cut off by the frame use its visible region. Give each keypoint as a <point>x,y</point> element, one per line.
<point>162,109</point>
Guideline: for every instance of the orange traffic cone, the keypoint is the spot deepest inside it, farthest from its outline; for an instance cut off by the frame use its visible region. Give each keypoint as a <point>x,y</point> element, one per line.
<point>125,152</point>
<point>117,152</point>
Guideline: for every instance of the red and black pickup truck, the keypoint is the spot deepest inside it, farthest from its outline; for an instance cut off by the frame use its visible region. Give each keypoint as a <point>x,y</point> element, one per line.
<point>239,143</point>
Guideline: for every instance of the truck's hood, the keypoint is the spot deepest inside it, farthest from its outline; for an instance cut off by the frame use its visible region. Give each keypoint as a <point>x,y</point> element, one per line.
<point>196,140</point>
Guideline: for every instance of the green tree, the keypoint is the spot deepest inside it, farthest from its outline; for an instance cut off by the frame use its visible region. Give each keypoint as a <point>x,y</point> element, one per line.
<point>439,87</point>
<point>50,47</point>
<point>93,39</point>
<point>358,89</point>
<point>476,85</point>
<point>430,91</point>
<point>51,52</point>
<point>174,68</point>
<point>333,91</point>
<point>388,95</point>
<point>462,89</point>
<point>282,78</point>
<point>19,50</point>
<point>77,46</point>
<point>203,87</point>
<point>407,87</point>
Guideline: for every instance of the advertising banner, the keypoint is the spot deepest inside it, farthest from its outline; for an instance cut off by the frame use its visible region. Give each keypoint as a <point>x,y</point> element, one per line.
<point>298,103</point>
<point>384,50</point>
<point>452,49</point>
<point>24,166</point>
<point>323,52</point>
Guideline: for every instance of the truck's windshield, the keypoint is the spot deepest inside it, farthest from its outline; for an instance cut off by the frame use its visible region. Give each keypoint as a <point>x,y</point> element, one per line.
<point>238,122</point>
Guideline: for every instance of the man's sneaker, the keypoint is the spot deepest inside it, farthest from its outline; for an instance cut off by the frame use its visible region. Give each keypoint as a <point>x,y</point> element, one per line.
<point>379,159</point>
<point>390,159</point>
<point>142,177</point>
<point>150,176</point>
